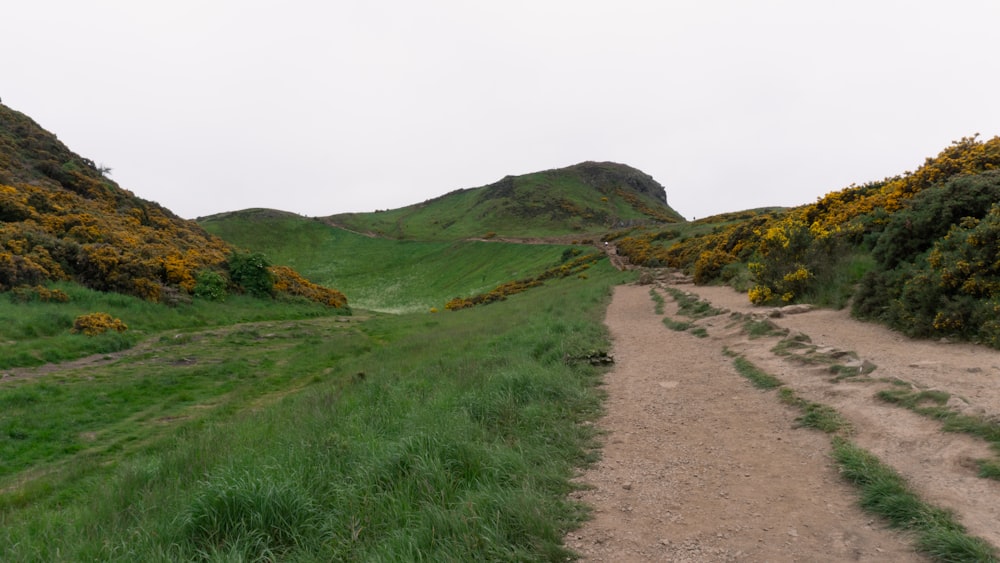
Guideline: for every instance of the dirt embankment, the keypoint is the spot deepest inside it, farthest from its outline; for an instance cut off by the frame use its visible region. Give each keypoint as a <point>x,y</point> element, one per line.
<point>698,465</point>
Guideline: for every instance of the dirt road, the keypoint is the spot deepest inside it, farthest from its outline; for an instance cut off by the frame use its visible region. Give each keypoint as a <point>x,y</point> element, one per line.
<point>698,465</point>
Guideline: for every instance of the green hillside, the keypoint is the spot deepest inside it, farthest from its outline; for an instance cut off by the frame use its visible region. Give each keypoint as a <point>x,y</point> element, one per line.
<point>584,199</point>
<point>383,274</point>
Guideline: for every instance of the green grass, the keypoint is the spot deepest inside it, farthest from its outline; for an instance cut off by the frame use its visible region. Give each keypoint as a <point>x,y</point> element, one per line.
<point>815,415</point>
<point>691,305</point>
<point>383,274</point>
<point>700,332</point>
<point>679,326</point>
<point>762,329</point>
<point>36,333</point>
<point>327,441</point>
<point>658,302</point>
<point>886,494</point>
<point>760,378</point>
<point>835,288</point>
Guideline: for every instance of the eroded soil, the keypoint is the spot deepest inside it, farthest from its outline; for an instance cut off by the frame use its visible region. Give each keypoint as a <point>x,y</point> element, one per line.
<point>699,465</point>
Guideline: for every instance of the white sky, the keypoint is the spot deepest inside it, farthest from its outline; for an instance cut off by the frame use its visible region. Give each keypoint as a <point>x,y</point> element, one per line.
<point>322,107</point>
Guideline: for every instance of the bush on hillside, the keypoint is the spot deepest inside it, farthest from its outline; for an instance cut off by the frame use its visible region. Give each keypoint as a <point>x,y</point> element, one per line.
<point>250,271</point>
<point>97,323</point>
<point>952,290</point>
<point>289,281</point>
<point>928,215</point>
<point>210,285</point>
<point>29,294</point>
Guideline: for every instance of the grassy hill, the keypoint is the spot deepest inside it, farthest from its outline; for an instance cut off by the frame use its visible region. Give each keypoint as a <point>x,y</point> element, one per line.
<point>383,274</point>
<point>585,199</point>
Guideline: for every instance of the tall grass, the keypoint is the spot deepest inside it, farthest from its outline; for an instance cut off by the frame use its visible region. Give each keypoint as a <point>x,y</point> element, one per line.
<point>415,449</point>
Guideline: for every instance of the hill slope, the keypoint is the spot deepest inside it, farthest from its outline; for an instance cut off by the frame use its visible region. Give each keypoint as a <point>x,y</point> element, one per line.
<point>61,218</point>
<point>587,198</point>
<point>378,273</point>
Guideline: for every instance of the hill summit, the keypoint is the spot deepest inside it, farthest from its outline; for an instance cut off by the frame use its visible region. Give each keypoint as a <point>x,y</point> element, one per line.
<point>586,198</point>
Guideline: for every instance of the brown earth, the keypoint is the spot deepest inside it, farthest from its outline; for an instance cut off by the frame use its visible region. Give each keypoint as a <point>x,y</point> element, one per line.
<point>699,465</point>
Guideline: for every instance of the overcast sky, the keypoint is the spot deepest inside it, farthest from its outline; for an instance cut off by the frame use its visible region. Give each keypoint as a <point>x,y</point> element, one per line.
<point>322,107</point>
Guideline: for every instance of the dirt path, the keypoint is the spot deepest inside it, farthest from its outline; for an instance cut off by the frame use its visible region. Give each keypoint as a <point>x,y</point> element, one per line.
<point>698,465</point>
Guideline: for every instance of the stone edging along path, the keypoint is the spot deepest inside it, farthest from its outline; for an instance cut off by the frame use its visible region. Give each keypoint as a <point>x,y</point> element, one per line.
<point>699,465</point>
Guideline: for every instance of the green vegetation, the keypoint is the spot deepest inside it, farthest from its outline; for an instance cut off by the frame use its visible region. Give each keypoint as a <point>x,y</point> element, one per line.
<point>33,333</point>
<point>382,274</point>
<point>815,415</point>
<point>762,328</point>
<point>760,378</point>
<point>587,199</point>
<point>886,494</point>
<point>61,219</point>
<point>936,270</point>
<point>691,305</point>
<point>678,326</point>
<point>883,491</point>
<point>658,302</point>
<point>918,252</point>
<point>315,439</point>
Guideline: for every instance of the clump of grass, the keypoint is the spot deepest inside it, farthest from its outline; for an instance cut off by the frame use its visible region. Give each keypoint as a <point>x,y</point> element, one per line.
<point>915,400</point>
<point>657,300</point>
<point>760,378</point>
<point>276,514</point>
<point>815,415</point>
<point>763,328</point>
<point>989,469</point>
<point>700,332</point>
<point>885,493</point>
<point>691,305</point>
<point>679,326</point>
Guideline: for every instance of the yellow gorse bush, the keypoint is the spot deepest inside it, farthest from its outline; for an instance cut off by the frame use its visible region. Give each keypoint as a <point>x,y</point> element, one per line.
<point>97,323</point>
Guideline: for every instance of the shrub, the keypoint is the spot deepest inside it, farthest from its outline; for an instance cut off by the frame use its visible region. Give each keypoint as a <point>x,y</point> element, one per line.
<point>97,323</point>
<point>289,281</point>
<point>710,264</point>
<point>250,271</point>
<point>930,214</point>
<point>26,294</point>
<point>210,285</point>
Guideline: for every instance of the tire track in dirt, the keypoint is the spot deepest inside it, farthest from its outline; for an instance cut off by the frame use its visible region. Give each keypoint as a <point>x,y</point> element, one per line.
<point>698,465</point>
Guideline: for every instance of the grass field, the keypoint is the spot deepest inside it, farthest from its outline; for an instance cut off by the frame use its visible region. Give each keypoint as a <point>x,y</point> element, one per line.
<point>307,437</point>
